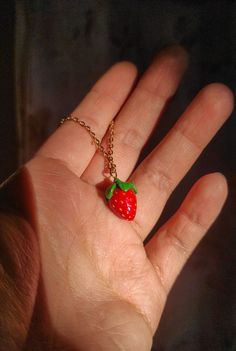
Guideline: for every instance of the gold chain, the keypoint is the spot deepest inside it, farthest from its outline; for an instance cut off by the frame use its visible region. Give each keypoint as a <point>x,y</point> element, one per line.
<point>107,154</point>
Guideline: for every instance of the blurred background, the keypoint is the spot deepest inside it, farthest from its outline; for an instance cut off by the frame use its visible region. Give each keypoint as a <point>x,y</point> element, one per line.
<point>51,52</point>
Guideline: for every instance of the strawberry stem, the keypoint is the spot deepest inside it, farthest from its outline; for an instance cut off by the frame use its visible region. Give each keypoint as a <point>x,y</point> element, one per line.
<point>125,186</point>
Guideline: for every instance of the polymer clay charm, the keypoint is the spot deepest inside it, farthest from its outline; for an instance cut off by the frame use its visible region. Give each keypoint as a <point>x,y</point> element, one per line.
<point>121,197</point>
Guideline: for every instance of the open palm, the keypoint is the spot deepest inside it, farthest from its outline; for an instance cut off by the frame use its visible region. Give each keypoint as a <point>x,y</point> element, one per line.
<point>103,289</point>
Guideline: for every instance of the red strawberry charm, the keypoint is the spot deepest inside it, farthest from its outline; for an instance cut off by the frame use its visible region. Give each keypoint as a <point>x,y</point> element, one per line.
<point>122,199</point>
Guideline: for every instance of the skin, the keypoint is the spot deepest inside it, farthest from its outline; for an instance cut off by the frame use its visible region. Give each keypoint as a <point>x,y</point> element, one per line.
<point>74,276</point>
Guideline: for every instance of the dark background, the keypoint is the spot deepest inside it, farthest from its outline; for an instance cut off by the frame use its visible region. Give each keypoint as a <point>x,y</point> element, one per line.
<point>51,52</point>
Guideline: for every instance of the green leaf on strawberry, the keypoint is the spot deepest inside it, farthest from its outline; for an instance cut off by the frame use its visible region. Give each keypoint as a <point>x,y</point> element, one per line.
<point>125,186</point>
<point>109,191</point>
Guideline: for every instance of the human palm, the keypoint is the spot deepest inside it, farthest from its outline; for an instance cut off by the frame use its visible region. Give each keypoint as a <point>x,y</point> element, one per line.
<point>94,265</point>
<point>101,287</point>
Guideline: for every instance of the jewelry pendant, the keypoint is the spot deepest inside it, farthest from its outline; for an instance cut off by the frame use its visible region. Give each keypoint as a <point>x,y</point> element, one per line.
<point>121,197</point>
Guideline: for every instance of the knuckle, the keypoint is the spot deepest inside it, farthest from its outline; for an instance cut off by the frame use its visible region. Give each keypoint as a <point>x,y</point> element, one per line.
<point>184,133</point>
<point>131,138</point>
<point>101,96</point>
<point>158,179</point>
<point>194,219</point>
<point>173,240</point>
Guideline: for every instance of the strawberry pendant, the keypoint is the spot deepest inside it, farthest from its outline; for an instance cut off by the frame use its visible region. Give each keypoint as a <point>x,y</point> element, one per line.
<point>121,197</point>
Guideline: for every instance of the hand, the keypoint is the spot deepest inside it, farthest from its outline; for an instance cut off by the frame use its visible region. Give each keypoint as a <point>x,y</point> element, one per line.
<point>99,287</point>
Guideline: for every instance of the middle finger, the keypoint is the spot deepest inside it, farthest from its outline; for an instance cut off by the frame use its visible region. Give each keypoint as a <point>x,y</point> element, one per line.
<point>140,113</point>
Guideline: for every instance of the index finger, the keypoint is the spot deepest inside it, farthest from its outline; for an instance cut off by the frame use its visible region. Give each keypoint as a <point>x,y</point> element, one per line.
<point>71,143</point>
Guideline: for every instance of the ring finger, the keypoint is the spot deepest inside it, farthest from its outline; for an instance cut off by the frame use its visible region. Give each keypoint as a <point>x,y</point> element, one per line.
<point>158,175</point>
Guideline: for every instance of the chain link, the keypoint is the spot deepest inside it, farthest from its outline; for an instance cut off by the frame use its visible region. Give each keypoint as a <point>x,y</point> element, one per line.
<point>108,155</point>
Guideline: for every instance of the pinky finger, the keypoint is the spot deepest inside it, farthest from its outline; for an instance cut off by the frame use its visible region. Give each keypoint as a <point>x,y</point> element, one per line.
<point>171,246</point>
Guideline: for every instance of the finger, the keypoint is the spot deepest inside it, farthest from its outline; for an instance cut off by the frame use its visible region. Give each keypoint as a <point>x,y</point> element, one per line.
<point>162,170</point>
<point>140,113</point>
<point>171,246</point>
<point>71,143</point>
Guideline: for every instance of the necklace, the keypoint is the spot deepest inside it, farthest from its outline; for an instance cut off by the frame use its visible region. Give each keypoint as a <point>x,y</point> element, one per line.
<point>120,196</point>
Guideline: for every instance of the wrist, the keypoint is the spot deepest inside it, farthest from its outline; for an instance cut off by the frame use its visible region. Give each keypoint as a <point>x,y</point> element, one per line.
<point>111,326</point>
